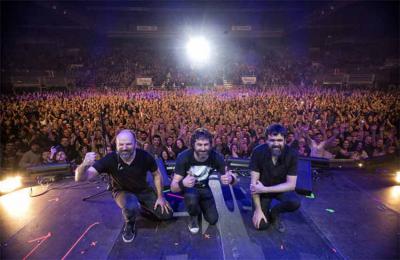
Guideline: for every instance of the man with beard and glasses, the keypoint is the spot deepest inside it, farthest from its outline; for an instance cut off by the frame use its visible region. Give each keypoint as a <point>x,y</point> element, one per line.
<point>273,176</point>
<point>128,169</point>
<point>192,171</point>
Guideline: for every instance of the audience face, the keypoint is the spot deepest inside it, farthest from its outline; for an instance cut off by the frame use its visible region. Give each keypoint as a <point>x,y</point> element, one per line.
<point>346,145</point>
<point>64,142</point>
<point>234,149</point>
<point>156,141</point>
<point>61,157</point>
<point>318,138</point>
<point>164,155</point>
<point>179,143</point>
<point>261,141</point>
<point>35,148</point>
<point>45,156</point>
<point>290,138</point>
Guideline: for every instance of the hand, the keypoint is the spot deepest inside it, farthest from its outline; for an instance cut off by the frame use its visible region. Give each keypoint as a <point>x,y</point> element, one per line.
<point>257,217</point>
<point>89,159</point>
<point>226,178</point>
<point>53,151</point>
<point>163,203</point>
<point>189,180</point>
<point>257,188</point>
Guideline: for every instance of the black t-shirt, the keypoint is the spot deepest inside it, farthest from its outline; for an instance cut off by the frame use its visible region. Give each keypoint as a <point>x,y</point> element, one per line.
<point>270,174</point>
<point>133,177</point>
<point>200,170</point>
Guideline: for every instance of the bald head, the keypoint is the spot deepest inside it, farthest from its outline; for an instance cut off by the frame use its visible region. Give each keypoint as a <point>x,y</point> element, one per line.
<point>126,144</point>
<point>126,133</point>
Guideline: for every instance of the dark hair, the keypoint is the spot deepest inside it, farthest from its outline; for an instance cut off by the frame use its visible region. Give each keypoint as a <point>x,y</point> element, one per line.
<point>200,133</point>
<point>275,129</point>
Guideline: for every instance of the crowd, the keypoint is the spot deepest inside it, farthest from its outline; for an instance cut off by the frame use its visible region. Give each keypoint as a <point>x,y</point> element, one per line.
<point>322,122</point>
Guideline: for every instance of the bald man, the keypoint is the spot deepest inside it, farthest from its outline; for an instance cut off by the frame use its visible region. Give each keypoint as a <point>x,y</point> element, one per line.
<point>128,168</point>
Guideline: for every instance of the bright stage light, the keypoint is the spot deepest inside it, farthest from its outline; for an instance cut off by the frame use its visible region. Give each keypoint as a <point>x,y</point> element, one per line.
<point>16,204</point>
<point>10,184</point>
<point>360,165</point>
<point>398,177</point>
<point>395,192</point>
<point>198,50</point>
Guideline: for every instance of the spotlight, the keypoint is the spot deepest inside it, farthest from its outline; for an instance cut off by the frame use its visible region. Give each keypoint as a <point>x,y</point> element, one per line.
<point>10,184</point>
<point>360,165</point>
<point>198,50</point>
<point>398,177</point>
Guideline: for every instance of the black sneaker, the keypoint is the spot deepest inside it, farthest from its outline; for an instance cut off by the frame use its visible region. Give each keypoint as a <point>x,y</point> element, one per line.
<point>194,225</point>
<point>278,224</point>
<point>129,232</point>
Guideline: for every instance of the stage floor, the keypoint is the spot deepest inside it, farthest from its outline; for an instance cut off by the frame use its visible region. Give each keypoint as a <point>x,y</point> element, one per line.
<point>351,215</point>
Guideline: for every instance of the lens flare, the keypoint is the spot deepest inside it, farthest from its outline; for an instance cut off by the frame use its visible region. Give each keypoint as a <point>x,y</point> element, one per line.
<point>17,203</point>
<point>198,50</point>
<point>10,184</point>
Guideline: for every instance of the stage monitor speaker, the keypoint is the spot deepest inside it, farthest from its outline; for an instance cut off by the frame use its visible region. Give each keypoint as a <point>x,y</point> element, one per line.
<point>304,177</point>
<point>58,169</point>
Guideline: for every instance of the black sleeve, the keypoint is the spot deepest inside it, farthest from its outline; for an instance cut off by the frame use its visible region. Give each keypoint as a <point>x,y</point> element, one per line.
<point>292,163</point>
<point>254,161</point>
<point>151,162</point>
<point>104,164</point>
<point>180,164</point>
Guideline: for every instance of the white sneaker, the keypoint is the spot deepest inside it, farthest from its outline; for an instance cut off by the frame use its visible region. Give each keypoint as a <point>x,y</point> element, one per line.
<point>194,225</point>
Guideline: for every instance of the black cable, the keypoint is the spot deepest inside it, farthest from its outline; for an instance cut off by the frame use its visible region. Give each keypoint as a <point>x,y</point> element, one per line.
<point>61,187</point>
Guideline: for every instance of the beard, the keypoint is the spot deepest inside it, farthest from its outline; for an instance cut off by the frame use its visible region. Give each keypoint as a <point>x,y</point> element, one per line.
<point>202,155</point>
<point>276,150</point>
<point>126,154</point>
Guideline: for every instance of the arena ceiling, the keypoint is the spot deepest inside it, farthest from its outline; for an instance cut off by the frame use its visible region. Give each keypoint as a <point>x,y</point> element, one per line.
<point>265,18</point>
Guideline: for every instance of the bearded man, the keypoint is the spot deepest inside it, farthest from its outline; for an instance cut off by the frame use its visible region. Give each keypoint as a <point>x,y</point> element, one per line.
<point>192,171</point>
<point>128,168</point>
<point>273,177</point>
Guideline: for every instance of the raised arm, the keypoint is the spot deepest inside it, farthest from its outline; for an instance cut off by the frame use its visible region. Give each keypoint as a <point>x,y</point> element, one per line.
<point>85,171</point>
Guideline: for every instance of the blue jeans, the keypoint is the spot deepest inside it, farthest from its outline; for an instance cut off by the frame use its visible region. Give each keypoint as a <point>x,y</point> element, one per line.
<point>288,202</point>
<point>201,200</point>
<point>130,204</point>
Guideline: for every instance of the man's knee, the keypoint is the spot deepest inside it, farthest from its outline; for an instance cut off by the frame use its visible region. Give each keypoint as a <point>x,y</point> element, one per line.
<point>263,225</point>
<point>132,205</point>
<point>165,215</point>
<point>191,198</point>
<point>294,204</point>
<point>212,218</point>
<point>192,201</point>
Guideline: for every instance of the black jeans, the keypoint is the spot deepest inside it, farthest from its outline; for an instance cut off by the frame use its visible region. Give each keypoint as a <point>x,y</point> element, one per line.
<point>130,204</point>
<point>201,200</point>
<point>288,202</point>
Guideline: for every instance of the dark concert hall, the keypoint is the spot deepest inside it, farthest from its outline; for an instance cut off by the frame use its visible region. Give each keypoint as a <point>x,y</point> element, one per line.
<point>200,129</point>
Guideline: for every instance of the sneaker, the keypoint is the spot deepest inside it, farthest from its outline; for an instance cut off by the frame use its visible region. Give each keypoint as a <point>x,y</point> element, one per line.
<point>129,232</point>
<point>278,225</point>
<point>194,225</point>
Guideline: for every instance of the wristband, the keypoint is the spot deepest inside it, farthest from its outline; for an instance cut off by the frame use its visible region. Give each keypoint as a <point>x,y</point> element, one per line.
<point>233,180</point>
<point>181,186</point>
